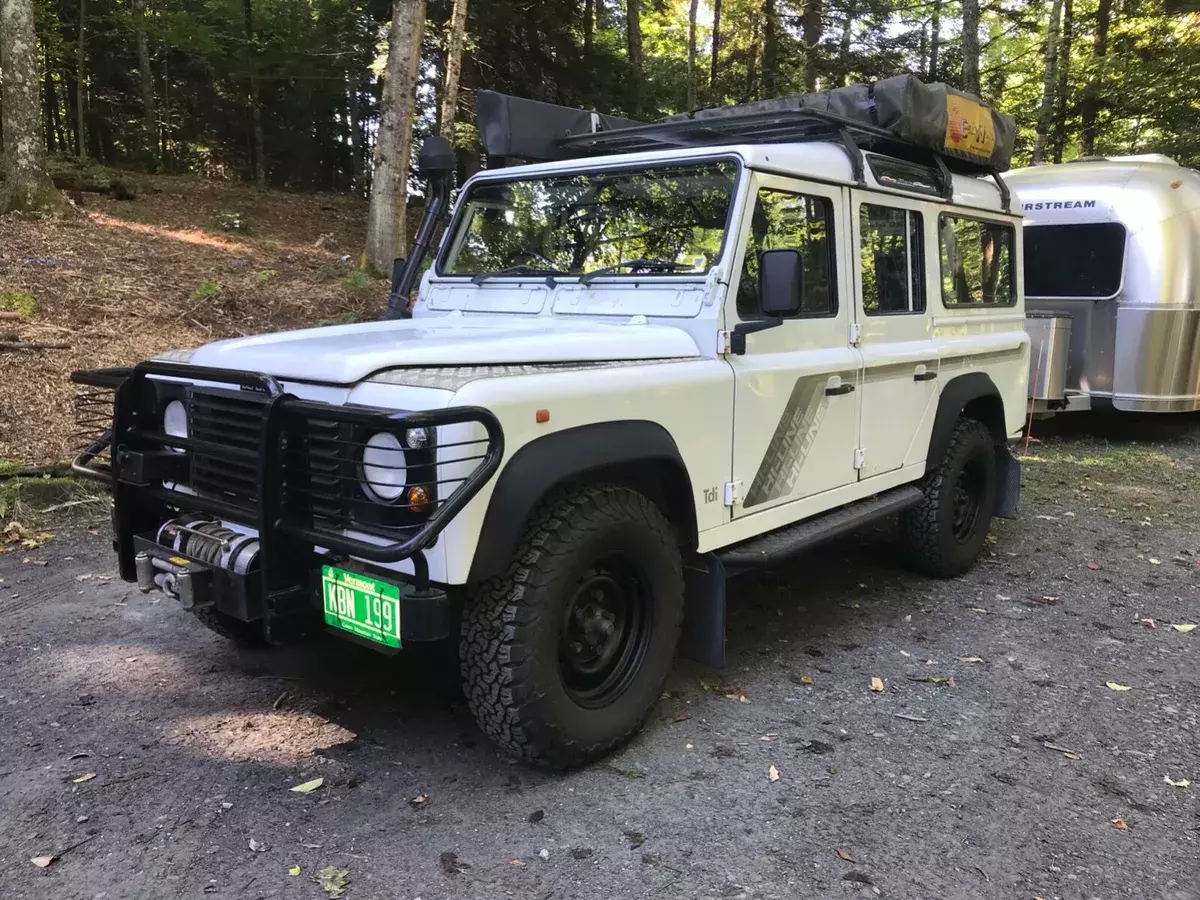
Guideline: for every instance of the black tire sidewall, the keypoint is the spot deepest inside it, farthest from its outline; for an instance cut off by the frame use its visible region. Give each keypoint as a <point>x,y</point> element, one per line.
<point>974,443</point>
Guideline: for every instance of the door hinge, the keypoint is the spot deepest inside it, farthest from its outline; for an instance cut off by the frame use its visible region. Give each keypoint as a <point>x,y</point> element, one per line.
<point>855,332</point>
<point>859,453</point>
<point>733,493</point>
<point>723,344</point>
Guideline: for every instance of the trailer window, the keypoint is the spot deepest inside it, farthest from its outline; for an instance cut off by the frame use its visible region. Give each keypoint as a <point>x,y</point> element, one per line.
<point>977,262</point>
<point>574,223</point>
<point>797,222</point>
<point>1083,261</point>
<point>891,260</point>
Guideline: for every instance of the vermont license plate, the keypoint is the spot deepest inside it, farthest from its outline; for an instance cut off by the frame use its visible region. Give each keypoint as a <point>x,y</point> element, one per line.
<point>361,605</point>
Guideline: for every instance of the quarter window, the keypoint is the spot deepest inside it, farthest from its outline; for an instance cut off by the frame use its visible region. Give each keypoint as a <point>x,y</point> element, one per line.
<point>1082,260</point>
<point>801,222</point>
<point>977,262</point>
<point>891,260</point>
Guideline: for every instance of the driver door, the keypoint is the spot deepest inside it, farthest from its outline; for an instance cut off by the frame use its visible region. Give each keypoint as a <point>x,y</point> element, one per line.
<point>796,406</point>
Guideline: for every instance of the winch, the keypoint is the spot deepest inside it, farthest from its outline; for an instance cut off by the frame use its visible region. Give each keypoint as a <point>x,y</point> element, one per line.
<point>200,545</point>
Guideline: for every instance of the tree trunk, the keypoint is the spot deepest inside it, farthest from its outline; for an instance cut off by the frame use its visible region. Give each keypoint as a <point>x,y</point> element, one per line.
<point>393,145</point>
<point>1049,83</point>
<point>770,49</point>
<point>80,73</point>
<point>260,162</point>
<point>1064,81</point>
<point>49,102</point>
<point>356,133</point>
<point>755,62</point>
<point>27,187</point>
<point>811,35</point>
<point>146,79</point>
<point>715,65</point>
<point>970,47</point>
<point>589,27</point>
<point>848,38</point>
<point>1089,106</point>
<point>454,52</point>
<point>923,53</point>
<point>633,37</point>
<point>935,37</point>
<point>691,50</point>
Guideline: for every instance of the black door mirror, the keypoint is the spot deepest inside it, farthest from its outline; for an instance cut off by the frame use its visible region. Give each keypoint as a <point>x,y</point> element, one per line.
<point>780,282</point>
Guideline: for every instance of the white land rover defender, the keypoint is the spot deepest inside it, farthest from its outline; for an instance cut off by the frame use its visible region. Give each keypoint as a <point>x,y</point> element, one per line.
<point>659,354</point>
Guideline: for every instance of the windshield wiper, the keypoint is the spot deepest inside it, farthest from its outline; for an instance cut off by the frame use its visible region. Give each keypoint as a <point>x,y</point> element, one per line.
<point>521,269</point>
<point>645,265</point>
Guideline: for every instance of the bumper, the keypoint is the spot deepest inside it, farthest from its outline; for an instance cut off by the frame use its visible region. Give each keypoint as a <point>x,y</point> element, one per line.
<point>170,525</point>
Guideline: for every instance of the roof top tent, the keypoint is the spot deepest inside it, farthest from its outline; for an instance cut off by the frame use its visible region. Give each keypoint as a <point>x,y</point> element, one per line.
<point>1112,258</point>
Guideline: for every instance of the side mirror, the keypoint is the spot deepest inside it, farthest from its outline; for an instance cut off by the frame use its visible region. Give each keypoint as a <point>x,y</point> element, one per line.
<point>436,157</point>
<point>780,282</point>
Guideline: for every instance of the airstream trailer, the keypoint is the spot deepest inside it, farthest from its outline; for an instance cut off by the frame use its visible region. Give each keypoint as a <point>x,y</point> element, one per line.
<point>1112,283</point>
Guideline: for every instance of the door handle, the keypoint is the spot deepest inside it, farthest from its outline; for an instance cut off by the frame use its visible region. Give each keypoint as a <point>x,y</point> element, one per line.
<point>925,376</point>
<point>844,388</point>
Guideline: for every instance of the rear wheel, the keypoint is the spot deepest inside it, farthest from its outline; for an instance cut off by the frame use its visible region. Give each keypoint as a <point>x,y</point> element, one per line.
<point>944,534</point>
<point>565,654</point>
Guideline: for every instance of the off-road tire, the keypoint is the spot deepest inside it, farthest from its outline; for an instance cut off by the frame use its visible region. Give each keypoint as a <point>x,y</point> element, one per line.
<point>509,651</point>
<point>927,530</point>
<point>244,634</point>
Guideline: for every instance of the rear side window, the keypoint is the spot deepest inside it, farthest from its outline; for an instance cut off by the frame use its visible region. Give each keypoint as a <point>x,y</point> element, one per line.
<point>1083,261</point>
<point>891,263</point>
<point>977,262</point>
<point>797,222</point>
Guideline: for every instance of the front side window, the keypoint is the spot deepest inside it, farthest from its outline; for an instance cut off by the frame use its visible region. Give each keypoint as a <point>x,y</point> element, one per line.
<point>671,217</point>
<point>977,262</point>
<point>1074,261</point>
<point>784,220</point>
<point>891,260</point>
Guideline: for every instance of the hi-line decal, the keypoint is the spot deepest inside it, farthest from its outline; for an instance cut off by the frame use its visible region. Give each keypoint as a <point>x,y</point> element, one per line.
<point>1061,204</point>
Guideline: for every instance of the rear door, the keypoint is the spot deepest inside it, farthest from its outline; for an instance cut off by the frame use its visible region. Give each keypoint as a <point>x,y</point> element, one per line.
<point>900,363</point>
<point>796,393</point>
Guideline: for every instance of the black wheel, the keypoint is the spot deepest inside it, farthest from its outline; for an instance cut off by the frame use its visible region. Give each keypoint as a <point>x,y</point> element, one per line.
<point>944,534</point>
<point>244,634</point>
<point>565,654</point>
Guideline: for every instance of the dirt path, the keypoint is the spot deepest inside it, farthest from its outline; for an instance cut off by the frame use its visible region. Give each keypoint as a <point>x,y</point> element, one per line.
<point>1003,784</point>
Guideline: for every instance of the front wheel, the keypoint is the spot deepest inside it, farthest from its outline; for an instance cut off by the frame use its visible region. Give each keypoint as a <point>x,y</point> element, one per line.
<point>565,654</point>
<point>945,532</point>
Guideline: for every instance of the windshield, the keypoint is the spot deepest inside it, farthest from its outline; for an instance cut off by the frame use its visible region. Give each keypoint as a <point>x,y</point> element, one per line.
<point>665,219</point>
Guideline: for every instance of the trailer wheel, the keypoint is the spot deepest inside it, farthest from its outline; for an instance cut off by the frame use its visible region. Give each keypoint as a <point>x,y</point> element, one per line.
<point>945,532</point>
<point>244,634</point>
<point>564,655</point>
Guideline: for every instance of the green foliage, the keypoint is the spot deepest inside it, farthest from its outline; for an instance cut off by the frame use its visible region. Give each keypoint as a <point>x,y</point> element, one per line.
<point>266,275</point>
<point>206,290</point>
<point>357,280</point>
<point>341,319</point>
<point>18,301</point>
<point>232,220</point>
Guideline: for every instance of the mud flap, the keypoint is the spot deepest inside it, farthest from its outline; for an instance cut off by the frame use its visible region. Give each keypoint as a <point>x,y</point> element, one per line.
<point>1008,488</point>
<point>703,637</point>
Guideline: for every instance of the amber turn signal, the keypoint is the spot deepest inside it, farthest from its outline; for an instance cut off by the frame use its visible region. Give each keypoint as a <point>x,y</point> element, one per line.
<point>418,498</point>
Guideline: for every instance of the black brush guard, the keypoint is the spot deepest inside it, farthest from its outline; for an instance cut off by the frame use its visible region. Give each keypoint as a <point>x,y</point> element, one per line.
<point>142,458</point>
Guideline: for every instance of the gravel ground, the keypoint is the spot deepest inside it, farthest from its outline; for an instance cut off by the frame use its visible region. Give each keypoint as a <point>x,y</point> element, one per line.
<point>1025,776</point>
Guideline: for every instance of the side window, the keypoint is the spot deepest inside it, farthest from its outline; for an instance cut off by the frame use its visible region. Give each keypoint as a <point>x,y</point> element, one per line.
<point>798,222</point>
<point>892,260</point>
<point>977,262</point>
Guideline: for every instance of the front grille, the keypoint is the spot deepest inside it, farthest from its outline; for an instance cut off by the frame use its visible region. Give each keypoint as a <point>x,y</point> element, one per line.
<point>323,460</point>
<point>232,419</point>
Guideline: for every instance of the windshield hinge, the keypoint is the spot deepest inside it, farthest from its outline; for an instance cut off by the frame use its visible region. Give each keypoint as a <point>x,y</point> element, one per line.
<point>733,493</point>
<point>859,453</point>
<point>855,332</point>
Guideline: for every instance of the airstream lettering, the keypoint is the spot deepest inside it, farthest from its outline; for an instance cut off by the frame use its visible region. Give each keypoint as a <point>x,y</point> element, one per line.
<point>1112,283</point>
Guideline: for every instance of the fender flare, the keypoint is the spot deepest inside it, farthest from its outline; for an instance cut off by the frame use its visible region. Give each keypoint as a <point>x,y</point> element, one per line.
<point>547,462</point>
<point>955,397</point>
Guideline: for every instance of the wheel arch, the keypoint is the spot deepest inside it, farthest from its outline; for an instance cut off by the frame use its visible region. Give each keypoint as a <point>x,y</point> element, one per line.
<point>636,453</point>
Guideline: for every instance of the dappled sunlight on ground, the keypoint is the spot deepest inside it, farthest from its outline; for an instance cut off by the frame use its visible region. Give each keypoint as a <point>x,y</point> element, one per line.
<point>199,238</point>
<point>282,737</point>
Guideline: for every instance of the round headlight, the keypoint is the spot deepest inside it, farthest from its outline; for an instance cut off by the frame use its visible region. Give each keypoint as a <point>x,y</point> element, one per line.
<point>417,438</point>
<point>383,467</point>
<point>175,422</point>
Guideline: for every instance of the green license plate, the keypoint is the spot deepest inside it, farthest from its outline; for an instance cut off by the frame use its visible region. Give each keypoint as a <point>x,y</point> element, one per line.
<point>361,605</point>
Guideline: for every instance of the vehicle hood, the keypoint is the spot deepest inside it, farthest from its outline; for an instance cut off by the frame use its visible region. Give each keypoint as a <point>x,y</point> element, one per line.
<point>346,354</point>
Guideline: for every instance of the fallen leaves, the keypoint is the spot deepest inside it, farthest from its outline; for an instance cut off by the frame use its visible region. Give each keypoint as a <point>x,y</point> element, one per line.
<point>334,880</point>
<point>82,778</point>
<point>1184,628</point>
<point>803,679</point>
<point>845,855</point>
<point>772,773</point>
<point>307,787</point>
<point>419,800</point>
<point>1114,686</point>
<point>729,692</point>
<point>293,870</point>
<point>877,685</point>
<point>1120,824</point>
<point>517,863</point>
<point>1181,783</point>
<point>258,846</point>
<point>947,681</point>
<point>42,861</point>
<point>970,659</point>
<point>19,536</point>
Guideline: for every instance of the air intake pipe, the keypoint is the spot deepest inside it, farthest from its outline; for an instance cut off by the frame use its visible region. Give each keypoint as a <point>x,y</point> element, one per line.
<point>436,164</point>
